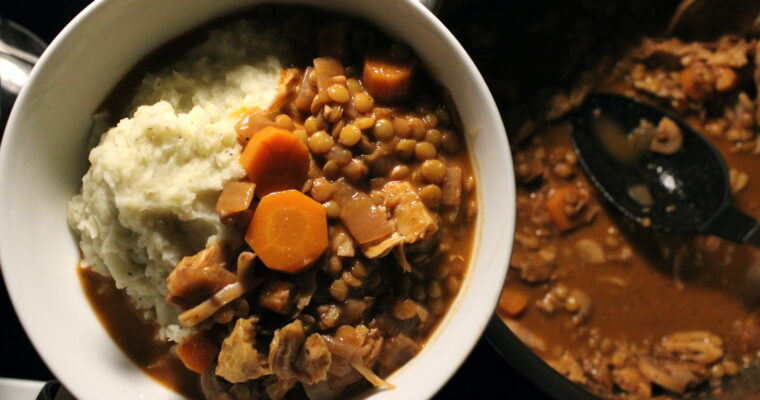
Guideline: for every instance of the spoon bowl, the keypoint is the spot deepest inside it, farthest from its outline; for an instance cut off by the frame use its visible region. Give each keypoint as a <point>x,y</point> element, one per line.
<point>686,190</point>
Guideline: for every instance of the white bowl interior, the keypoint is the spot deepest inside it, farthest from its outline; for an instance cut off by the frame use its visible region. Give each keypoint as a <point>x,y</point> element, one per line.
<point>43,157</point>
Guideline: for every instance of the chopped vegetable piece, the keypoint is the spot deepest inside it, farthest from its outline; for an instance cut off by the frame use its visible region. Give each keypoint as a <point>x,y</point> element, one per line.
<point>412,220</point>
<point>452,187</point>
<point>235,198</point>
<point>306,91</point>
<point>198,351</point>
<point>253,122</point>
<point>277,296</point>
<point>224,296</point>
<point>383,247</point>
<point>239,359</point>
<point>288,231</point>
<point>386,79</point>
<point>289,81</point>
<point>370,375</point>
<point>590,251</point>
<point>325,69</point>
<point>513,301</point>
<point>197,277</point>
<point>275,160</point>
<point>697,81</point>
<point>555,205</point>
<point>726,80</point>
<point>365,221</point>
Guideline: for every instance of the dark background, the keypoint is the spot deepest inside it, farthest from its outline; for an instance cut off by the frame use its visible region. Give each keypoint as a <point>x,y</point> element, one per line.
<point>484,373</point>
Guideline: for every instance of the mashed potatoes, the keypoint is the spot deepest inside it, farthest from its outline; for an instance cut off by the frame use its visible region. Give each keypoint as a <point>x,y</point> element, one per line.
<point>148,198</point>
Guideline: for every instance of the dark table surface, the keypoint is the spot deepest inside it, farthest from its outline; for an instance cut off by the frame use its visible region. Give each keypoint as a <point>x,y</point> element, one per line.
<point>484,373</point>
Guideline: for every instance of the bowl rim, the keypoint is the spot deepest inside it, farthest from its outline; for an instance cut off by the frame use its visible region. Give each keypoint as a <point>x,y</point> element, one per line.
<point>421,14</point>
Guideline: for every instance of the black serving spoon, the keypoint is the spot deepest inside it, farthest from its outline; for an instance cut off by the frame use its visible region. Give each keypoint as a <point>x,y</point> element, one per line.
<point>687,191</point>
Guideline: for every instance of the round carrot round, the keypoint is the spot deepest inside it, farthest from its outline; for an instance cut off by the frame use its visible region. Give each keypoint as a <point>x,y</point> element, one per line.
<point>198,351</point>
<point>275,159</point>
<point>288,231</point>
<point>385,79</point>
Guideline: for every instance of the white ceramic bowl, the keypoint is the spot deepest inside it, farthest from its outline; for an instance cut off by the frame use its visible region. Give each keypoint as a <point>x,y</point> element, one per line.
<point>43,157</point>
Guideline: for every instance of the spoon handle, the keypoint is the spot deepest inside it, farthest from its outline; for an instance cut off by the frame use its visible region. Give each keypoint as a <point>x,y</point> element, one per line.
<point>753,237</point>
<point>735,225</point>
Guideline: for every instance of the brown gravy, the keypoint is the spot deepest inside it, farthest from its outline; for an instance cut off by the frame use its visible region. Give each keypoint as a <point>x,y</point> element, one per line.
<point>638,301</point>
<point>135,336</point>
<point>713,295</point>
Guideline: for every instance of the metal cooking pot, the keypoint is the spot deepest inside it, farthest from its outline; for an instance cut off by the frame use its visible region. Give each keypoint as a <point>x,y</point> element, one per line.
<point>524,55</point>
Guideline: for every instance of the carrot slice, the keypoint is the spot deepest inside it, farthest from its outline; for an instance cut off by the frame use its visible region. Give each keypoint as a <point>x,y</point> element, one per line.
<point>386,79</point>
<point>275,160</point>
<point>198,351</point>
<point>555,205</point>
<point>513,301</point>
<point>288,231</point>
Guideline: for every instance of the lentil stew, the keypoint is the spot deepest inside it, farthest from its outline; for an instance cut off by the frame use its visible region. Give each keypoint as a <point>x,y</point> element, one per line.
<point>358,211</point>
<point>613,306</point>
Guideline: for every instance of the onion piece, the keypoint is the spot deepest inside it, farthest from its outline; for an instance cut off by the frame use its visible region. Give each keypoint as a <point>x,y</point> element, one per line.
<point>307,285</point>
<point>365,221</point>
<point>306,91</point>
<point>225,295</point>
<point>206,309</point>
<point>370,376</point>
<point>245,267</point>
<point>325,68</point>
<point>400,254</point>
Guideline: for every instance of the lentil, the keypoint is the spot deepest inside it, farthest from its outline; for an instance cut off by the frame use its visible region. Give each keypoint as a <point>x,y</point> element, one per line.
<point>430,120</point>
<point>433,171</point>
<point>365,123</point>
<point>434,289</point>
<point>350,135</point>
<point>331,169</point>
<point>434,137</point>
<point>401,127</point>
<point>363,102</point>
<point>321,190</point>
<point>320,143</point>
<point>339,290</point>
<point>283,121</point>
<point>418,128</point>
<point>400,172</point>
<point>355,170</point>
<point>450,143</point>
<point>332,208</point>
<point>424,151</point>
<point>431,196</point>
<point>311,125</point>
<point>404,309</point>
<point>383,130</point>
<point>405,148</point>
<point>338,93</point>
